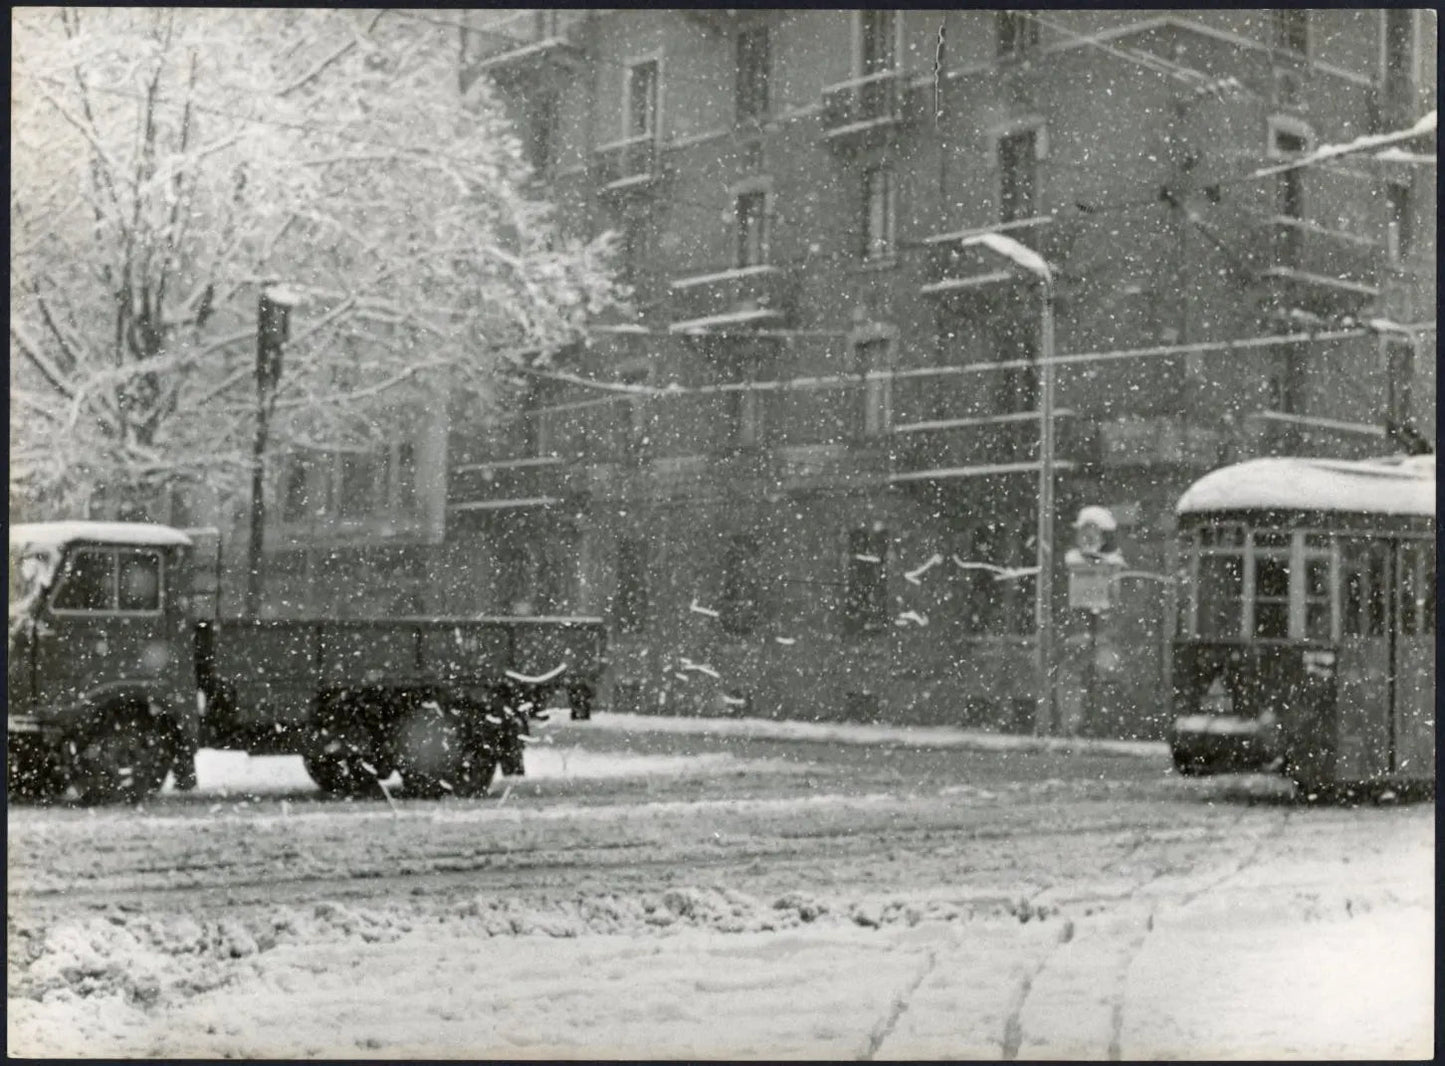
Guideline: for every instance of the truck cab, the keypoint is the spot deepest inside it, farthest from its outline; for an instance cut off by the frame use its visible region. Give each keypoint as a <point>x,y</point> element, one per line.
<point>100,670</point>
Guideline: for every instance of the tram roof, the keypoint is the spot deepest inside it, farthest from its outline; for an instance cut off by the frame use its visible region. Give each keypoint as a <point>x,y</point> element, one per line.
<point>59,534</point>
<point>1401,485</point>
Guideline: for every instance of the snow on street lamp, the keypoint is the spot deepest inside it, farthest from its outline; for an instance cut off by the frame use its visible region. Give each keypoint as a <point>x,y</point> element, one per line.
<point>273,313</point>
<point>1046,710</point>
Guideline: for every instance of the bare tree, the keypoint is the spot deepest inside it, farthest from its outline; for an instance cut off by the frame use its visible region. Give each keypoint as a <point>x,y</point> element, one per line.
<point>169,163</point>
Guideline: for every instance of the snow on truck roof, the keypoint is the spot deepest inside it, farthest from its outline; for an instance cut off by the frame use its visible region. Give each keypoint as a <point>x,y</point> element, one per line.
<point>59,534</point>
<point>1402,485</point>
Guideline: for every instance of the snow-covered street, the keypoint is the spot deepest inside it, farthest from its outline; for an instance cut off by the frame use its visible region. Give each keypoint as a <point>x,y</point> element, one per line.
<point>684,888</point>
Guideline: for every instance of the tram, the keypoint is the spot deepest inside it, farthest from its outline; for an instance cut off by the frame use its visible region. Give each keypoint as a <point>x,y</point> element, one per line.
<point>1306,640</point>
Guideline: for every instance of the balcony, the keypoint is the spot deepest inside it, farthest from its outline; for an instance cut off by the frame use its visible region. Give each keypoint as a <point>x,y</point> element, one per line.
<point>516,45</point>
<point>950,449</point>
<point>957,270</point>
<point>626,166</point>
<point>509,484</point>
<point>752,296</point>
<point>864,111</point>
<point>1321,270</point>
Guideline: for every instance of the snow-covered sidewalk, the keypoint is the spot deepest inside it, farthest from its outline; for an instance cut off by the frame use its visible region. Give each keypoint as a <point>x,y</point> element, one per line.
<point>855,733</point>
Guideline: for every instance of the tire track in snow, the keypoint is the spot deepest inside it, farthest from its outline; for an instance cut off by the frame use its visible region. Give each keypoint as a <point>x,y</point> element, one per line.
<point>1013,1029</point>
<point>1136,943</point>
<point>884,1029</point>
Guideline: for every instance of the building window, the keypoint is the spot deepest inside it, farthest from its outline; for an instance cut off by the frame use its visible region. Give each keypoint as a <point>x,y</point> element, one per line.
<point>1401,231</point>
<point>1018,32</point>
<point>998,601</point>
<point>742,586</point>
<point>295,490</point>
<point>750,213</point>
<point>753,66</point>
<point>865,590</point>
<point>878,213</point>
<point>1399,385</point>
<point>1397,79</point>
<point>358,484</point>
<point>869,357</point>
<point>405,477</point>
<point>1289,195</point>
<point>745,418</point>
<point>1016,343</point>
<point>630,606</point>
<point>542,132</point>
<point>642,82</point>
<point>1018,175</point>
<point>877,41</point>
<point>1291,29</point>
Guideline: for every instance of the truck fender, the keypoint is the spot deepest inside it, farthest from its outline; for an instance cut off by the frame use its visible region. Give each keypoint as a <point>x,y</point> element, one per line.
<point>104,699</point>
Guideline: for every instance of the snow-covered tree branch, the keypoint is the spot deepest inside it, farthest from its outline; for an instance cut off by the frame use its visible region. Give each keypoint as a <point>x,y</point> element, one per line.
<point>168,163</point>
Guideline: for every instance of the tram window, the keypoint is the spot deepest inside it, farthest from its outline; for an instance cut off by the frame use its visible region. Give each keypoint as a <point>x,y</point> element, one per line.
<point>1354,605</point>
<point>1355,587</point>
<point>1221,595</point>
<point>1427,603</point>
<point>1415,610</point>
<point>1317,598</point>
<point>1222,537</point>
<point>1271,593</point>
<point>1375,601</point>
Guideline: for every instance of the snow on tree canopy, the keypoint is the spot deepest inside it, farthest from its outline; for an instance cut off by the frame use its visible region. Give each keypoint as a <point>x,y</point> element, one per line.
<point>59,534</point>
<point>1403,486</point>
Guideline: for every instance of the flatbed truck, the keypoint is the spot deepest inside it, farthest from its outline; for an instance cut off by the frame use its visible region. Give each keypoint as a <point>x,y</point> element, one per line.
<point>114,680</point>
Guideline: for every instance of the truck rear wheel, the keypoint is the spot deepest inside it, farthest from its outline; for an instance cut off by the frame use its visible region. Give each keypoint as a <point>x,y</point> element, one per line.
<point>344,762</point>
<point>429,751</point>
<point>123,759</point>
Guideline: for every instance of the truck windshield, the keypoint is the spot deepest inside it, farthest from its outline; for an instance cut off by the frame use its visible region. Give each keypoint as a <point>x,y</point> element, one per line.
<point>31,571</point>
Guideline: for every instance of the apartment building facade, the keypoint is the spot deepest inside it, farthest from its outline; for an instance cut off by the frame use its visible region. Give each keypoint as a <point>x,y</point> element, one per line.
<point>800,479</point>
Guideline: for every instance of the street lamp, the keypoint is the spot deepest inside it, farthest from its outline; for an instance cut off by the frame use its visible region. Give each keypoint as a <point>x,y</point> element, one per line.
<point>1046,709</point>
<point>273,312</point>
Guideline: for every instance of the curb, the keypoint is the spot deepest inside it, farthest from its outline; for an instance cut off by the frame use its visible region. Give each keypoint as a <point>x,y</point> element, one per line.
<point>856,733</point>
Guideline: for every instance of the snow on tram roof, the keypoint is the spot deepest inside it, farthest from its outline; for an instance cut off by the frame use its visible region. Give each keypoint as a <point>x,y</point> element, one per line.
<point>59,534</point>
<point>1403,485</point>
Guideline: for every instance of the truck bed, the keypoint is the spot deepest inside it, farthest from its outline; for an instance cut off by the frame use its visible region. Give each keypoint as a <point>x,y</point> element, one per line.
<point>273,669</point>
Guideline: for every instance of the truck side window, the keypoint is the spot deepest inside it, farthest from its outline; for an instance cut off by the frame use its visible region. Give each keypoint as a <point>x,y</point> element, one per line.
<point>89,583</point>
<point>140,581</point>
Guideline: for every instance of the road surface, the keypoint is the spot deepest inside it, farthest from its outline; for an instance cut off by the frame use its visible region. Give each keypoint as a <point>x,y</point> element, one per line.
<point>679,894</point>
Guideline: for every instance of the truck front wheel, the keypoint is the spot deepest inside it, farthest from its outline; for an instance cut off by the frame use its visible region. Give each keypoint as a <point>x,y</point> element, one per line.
<point>33,770</point>
<point>124,758</point>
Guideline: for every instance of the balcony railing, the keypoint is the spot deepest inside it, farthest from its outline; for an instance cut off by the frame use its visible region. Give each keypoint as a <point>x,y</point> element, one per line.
<point>975,446</point>
<point>1326,267</point>
<point>626,164</point>
<point>954,268</point>
<point>511,44</point>
<point>760,295</point>
<point>507,484</point>
<point>860,108</point>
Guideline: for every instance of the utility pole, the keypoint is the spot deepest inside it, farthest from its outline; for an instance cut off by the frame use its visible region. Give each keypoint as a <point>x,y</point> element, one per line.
<point>273,312</point>
<point>1048,706</point>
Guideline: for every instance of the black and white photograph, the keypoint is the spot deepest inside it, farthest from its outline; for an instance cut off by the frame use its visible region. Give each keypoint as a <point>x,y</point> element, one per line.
<point>744,534</point>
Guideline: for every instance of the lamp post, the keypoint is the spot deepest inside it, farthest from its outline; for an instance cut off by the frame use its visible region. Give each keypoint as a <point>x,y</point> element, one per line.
<point>1046,708</point>
<point>273,311</point>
